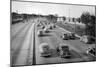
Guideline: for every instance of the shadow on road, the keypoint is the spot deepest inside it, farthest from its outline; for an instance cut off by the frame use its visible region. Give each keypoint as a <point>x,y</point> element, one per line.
<point>46,35</point>
<point>74,54</point>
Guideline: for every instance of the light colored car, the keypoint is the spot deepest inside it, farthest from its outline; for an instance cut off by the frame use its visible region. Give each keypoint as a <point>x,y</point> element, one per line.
<point>87,39</point>
<point>91,51</point>
<point>63,51</point>
<point>44,50</point>
<point>65,36</point>
<point>46,30</point>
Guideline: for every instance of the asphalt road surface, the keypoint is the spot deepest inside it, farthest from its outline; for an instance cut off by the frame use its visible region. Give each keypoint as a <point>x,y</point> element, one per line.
<point>25,45</point>
<point>22,43</point>
<point>53,38</point>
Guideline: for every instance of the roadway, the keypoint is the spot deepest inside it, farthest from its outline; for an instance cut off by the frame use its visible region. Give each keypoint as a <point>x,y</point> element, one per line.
<point>77,48</point>
<point>25,45</point>
<point>22,43</point>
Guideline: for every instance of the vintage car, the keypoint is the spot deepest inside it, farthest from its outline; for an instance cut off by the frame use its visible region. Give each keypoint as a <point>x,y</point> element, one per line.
<point>52,26</point>
<point>87,39</point>
<point>63,51</point>
<point>72,35</point>
<point>40,32</point>
<point>44,50</point>
<point>67,36</point>
<point>91,51</point>
<point>46,30</point>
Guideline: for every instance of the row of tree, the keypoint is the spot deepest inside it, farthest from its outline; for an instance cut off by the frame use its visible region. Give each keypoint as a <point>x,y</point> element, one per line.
<point>90,22</point>
<point>86,18</point>
<point>17,18</point>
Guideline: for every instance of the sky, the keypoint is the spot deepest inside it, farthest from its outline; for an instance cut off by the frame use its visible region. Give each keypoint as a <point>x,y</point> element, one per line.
<point>48,8</point>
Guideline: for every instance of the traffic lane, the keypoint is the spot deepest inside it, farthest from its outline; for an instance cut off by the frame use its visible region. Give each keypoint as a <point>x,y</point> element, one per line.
<point>53,43</point>
<point>15,28</point>
<point>18,39</point>
<point>25,55</point>
<point>17,43</point>
<point>76,45</point>
<point>60,31</point>
<point>78,49</point>
<point>18,34</point>
<point>75,56</point>
<point>54,40</point>
<point>47,38</point>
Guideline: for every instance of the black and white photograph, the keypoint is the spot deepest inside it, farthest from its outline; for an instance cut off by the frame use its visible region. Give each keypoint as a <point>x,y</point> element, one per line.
<point>51,33</point>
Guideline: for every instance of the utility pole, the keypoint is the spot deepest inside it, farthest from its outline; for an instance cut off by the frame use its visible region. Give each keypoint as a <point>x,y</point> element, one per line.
<point>75,27</point>
<point>69,15</point>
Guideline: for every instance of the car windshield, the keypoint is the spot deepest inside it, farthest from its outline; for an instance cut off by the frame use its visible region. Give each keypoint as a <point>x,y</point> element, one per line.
<point>65,48</point>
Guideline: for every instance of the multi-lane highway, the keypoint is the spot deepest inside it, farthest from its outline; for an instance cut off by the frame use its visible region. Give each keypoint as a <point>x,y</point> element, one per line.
<point>25,45</point>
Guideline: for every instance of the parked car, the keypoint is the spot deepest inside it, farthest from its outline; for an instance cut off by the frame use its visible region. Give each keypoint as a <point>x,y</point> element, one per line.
<point>87,39</point>
<point>53,26</point>
<point>91,51</point>
<point>40,33</point>
<point>67,36</point>
<point>63,51</point>
<point>46,30</point>
<point>44,50</point>
<point>72,35</point>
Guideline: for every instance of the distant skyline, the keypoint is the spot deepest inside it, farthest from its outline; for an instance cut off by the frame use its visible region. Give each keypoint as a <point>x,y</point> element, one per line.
<point>47,8</point>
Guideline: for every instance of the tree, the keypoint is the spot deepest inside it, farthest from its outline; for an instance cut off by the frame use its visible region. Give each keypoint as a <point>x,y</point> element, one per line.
<point>89,21</point>
<point>64,18</point>
<point>85,17</point>
<point>79,20</point>
<point>52,18</point>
